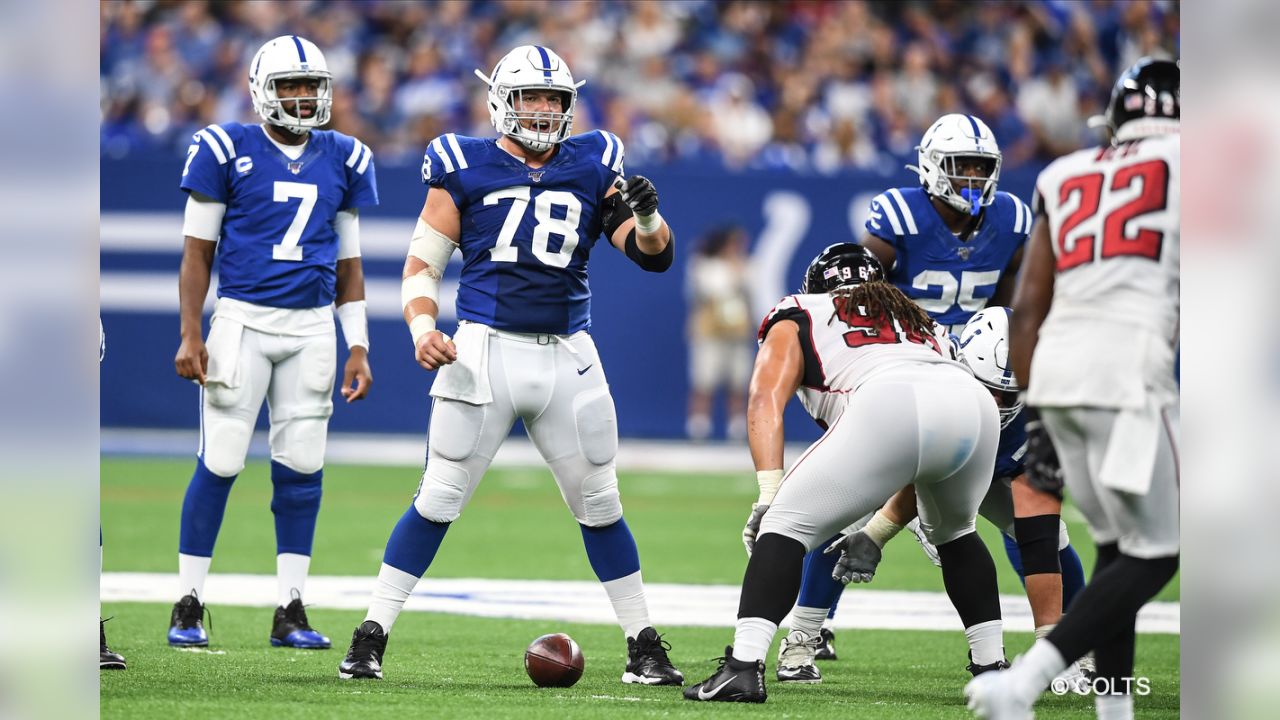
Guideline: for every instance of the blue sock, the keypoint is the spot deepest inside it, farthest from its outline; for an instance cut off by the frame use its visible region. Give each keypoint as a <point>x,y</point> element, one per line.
<point>414,542</point>
<point>817,588</point>
<point>1015,557</point>
<point>611,550</point>
<point>202,510</point>
<point>831,614</point>
<point>295,501</point>
<point>1072,575</point>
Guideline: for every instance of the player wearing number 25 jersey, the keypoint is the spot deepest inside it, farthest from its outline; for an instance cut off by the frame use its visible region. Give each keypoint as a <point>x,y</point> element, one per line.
<point>276,206</point>
<point>952,244</point>
<point>526,209</point>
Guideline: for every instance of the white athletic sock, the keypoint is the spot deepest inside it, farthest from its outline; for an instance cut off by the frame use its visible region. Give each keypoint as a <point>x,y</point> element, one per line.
<point>808,620</point>
<point>829,623</point>
<point>986,642</point>
<point>1114,707</point>
<point>291,574</point>
<point>629,605</point>
<point>390,592</point>
<point>1035,669</point>
<point>192,571</point>
<point>751,638</point>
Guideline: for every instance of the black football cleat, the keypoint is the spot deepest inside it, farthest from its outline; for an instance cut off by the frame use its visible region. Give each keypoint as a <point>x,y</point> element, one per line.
<point>364,657</point>
<point>647,661</point>
<point>733,681</point>
<point>827,646</point>
<point>976,670</point>
<point>186,624</point>
<point>291,629</point>
<point>108,660</point>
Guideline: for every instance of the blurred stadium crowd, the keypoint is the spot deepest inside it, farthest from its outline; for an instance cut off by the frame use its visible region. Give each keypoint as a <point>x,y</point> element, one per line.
<point>792,85</point>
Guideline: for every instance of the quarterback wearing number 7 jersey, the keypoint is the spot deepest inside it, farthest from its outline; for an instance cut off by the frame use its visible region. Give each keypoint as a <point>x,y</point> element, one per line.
<point>525,209</point>
<point>277,205</point>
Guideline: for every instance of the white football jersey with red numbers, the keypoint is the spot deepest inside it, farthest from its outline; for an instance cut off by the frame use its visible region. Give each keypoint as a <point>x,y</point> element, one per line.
<point>1110,336</point>
<point>843,348</point>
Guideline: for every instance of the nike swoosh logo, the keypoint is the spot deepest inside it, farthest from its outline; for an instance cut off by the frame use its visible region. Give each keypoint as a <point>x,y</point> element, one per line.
<point>584,370</point>
<point>704,695</point>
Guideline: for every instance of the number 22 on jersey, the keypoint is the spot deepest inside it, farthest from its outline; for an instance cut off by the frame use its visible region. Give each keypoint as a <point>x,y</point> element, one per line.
<point>566,227</point>
<point>1152,180</point>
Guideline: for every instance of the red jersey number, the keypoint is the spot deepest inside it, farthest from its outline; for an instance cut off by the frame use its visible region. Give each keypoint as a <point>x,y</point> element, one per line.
<point>1154,178</point>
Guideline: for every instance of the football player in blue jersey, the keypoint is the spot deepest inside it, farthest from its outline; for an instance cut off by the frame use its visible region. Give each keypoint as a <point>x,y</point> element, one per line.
<point>984,345</point>
<point>522,348</point>
<point>277,205</point>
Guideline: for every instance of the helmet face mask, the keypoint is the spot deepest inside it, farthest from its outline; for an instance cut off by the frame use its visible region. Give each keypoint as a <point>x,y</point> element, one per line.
<point>516,103</point>
<point>984,347</point>
<point>950,148</point>
<point>841,265</point>
<point>286,58</point>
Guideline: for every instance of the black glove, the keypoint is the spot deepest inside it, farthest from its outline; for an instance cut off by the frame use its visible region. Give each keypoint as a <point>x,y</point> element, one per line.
<point>1044,470</point>
<point>638,193</point>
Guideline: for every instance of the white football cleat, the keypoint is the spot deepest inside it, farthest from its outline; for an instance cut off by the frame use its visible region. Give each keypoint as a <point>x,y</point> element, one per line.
<point>992,696</point>
<point>796,656</point>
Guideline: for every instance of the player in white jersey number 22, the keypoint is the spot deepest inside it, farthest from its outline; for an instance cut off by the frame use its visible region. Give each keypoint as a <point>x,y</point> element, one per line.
<point>1094,336</point>
<point>523,347</point>
<point>867,364</point>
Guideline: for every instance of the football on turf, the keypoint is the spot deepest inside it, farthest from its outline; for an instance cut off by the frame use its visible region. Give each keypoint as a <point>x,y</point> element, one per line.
<point>553,661</point>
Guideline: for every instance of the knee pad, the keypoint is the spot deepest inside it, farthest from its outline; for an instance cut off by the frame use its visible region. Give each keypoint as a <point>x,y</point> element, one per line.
<point>224,443</point>
<point>601,503</point>
<point>1038,543</point>
<point>940,534</point>
<point>597,425</point>
<point>299,442</point>
<point>442,491</point>
<point>456,428</point>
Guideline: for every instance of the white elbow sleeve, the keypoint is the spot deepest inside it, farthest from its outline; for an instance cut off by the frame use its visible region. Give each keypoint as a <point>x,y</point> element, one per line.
<point>433,248</point>
<point>347,225</point>
<point>203,218</point>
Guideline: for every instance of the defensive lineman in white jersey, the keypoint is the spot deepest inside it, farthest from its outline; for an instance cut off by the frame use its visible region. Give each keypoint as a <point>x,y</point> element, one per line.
<point>276,205</point>
<point>867,364</point>
<point>1095,331</point>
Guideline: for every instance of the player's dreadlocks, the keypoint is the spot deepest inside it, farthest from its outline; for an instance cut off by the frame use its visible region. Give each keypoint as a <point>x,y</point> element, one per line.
<point>881,299</point>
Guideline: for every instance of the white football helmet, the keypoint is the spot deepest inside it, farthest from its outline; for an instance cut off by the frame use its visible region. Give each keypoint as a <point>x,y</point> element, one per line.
<point>952,137</point>
<point>531,67</point>
<point>984,347</point>
<point>289,56</point>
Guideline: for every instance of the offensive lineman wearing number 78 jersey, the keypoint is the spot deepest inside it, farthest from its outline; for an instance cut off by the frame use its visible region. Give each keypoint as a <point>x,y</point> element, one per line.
<point>523,347</point>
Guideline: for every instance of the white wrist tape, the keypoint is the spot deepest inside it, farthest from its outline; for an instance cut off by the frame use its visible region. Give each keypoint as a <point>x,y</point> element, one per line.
<point>649,224</point>
<point>354,318</point>
<point>881,529</point>
<point>768,480</point>
<point>421,325</point>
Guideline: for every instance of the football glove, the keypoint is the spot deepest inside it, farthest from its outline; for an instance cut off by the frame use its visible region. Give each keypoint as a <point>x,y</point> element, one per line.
<point>859,557</point>
<point>639,194</point>
<point>1044,470</point>
<point>753,526</point>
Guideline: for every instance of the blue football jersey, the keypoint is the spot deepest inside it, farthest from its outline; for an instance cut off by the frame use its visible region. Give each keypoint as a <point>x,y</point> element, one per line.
<point>950,279</point>
<point>1012,450</point>
<point>524,269</point>
<point>278,245</point>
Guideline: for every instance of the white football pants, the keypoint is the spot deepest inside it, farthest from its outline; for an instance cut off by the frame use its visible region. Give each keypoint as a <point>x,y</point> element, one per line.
<point>928,424</point>
<point>1145,526</point>
<point>557,386</point>
<point>294,373</point>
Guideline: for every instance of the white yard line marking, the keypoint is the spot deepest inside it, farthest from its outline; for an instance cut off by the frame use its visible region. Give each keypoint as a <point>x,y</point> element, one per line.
<point>586,602</point>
